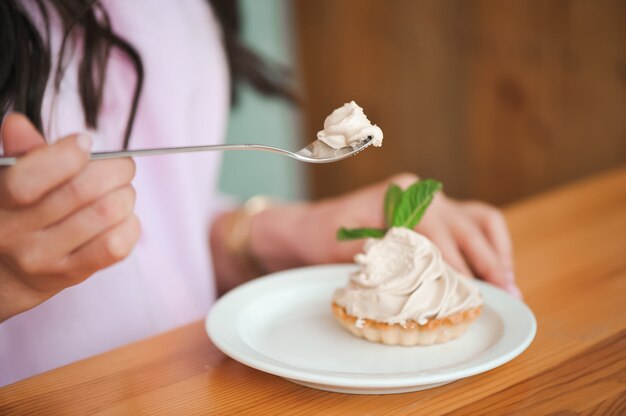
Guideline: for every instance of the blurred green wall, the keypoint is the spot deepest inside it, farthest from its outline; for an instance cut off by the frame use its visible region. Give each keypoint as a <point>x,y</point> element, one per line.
<point>258,119</point>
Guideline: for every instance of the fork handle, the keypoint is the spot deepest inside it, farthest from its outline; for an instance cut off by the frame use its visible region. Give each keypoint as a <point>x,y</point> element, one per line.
<point>9,161</point>
<point>184,149</point>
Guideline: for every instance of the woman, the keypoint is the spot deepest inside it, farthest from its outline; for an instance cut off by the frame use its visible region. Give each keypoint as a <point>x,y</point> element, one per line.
<point>78,275</point>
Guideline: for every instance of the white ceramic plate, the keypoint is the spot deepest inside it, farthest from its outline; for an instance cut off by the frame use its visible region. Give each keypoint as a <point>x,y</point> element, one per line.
<point>282,324</point>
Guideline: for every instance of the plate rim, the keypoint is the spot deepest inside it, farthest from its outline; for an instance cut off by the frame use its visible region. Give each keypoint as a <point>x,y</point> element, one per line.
<point>289,372</point>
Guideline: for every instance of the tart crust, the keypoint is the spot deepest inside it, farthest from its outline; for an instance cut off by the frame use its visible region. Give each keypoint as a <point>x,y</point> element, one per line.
<point>435,331</point>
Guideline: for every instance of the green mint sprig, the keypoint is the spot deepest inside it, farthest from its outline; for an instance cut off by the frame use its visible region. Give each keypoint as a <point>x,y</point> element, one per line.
<point>401,209</point>
<point>356,233</point>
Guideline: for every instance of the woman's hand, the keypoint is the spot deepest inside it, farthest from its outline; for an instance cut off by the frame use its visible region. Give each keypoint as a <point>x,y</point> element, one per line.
<point>472,236</point>
<point>62,217</point>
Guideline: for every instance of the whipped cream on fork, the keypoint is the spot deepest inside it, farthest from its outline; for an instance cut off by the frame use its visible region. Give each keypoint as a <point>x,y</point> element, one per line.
<point>348,126</point>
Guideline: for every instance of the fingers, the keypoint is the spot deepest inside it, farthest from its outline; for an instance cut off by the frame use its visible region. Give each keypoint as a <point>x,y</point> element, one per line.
<point>19,135</point>
<point>93,220</point>
<point>107,249</point>
<point>481,255</point>
<point>48,259</point>
<point>61,217</point>
<point>493,224</point>
<point>42,170</point>
<point>450,251</point>
<point>96,180</point>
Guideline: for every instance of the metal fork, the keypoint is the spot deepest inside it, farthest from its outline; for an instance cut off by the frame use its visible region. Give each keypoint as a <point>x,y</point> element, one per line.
<point>315,152</point>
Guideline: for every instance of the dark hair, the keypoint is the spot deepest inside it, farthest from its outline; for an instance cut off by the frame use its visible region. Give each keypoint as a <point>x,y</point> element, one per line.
<point>25,57</point>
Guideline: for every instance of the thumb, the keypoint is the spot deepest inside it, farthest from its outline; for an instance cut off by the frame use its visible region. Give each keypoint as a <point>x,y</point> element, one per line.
<point>19,135</point>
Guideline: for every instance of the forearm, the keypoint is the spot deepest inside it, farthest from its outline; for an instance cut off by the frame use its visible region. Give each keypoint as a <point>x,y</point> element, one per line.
<point>471,236</point>
<point>269,244</point>
<point>275,236</point>
<point>282,237</point>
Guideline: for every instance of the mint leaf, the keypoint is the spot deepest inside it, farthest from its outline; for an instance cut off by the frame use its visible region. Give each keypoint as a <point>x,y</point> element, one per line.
<point>413,203</point>
<point>356,233</point>
<point>401,209</point>
<point>393,195</point>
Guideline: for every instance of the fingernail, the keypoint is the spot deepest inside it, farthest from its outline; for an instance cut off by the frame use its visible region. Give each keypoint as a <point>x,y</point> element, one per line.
<point>84,142</point>
<point>513,290</point>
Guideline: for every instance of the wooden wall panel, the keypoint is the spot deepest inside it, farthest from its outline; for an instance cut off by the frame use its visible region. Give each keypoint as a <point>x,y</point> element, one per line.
<point>545,94</point>
<point>497,99</point>
<point>396,63</point>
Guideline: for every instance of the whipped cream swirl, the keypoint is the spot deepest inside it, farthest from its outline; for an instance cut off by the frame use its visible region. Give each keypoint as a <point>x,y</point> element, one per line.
<point>403,277</point>
<point>349,126</point>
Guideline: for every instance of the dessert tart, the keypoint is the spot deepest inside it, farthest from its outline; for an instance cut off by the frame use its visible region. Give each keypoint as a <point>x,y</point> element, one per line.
<point>404,293</point>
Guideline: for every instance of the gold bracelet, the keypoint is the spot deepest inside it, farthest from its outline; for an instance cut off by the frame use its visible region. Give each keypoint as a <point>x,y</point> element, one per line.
<point>238,234</point>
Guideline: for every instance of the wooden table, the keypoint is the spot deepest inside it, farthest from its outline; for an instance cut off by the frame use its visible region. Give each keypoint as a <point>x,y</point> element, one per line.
<point>571,262</point>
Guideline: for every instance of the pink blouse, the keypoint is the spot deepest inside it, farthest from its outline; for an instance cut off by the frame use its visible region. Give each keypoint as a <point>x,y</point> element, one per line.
<point>167,281</point>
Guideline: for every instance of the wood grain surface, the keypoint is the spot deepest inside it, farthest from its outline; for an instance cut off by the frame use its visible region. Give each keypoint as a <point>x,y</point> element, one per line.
<point>497,99</point>
<point>570,247</point>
